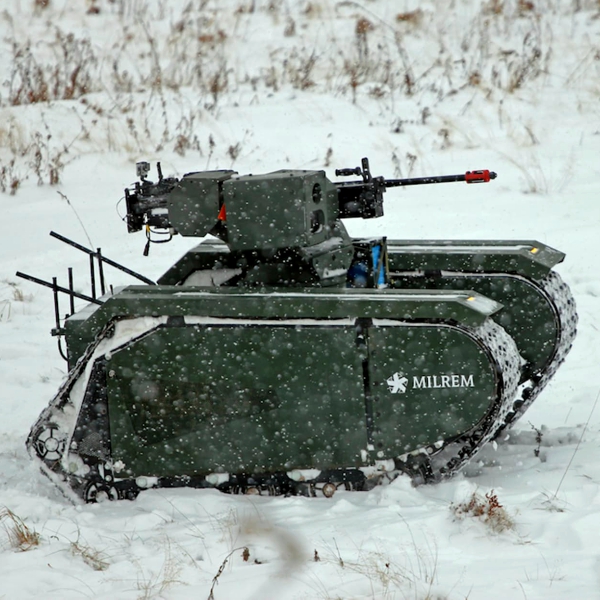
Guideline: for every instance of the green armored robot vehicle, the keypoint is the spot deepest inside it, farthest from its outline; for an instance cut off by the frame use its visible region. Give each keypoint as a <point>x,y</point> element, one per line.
<point>282,356</point>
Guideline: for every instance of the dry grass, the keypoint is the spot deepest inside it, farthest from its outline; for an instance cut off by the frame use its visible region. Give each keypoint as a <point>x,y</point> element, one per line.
<point>90,556</point>
<point>5,310</point>
<point>10,180</point>
<point>196,50</point>
<point>215,580</point>
<point>161,57</point>
<point>20,537</point>
<point>387,578</point>
<point>155,585</point>
<point>18,295</point>
<point>33,154</point>
<point>63,68</point>
<point>413,17</point>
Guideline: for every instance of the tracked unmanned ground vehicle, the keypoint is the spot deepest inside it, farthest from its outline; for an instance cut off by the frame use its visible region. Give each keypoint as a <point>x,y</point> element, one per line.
<point>281,356</point>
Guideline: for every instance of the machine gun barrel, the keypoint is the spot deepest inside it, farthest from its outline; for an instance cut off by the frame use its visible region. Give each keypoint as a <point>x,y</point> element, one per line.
<point>470,177</point>
<point>364,199</point>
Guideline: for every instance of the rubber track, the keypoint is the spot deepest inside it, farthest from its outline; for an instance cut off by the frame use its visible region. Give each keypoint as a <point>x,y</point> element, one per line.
<point>430,463</point>
<point>436,461</point>
<point>457,453</point>
<point>561,298</point>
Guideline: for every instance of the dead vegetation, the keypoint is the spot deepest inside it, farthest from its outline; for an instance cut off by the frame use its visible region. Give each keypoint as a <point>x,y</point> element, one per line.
<point>197,48</point>
<point>486,509</point>
<point>413,575</point>
<point>90,556</point>
<point>147,85</point>
<point>62,68</point>
<point>20,537</point>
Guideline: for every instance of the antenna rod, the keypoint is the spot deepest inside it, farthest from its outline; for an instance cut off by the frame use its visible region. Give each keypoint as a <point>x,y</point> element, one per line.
<point>92,275</point>
<point>54,287</point>
<point>101,272</point>
<point>71,297</point>
<point>57,288</point>
<point>108,261</point>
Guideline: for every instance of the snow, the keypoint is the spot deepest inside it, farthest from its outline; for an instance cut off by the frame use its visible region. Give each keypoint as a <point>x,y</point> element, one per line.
<point>458,86</point>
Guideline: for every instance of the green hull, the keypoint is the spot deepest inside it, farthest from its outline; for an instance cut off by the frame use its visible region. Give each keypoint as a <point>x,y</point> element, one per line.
<point>507,272</point>
<point>186,383</point>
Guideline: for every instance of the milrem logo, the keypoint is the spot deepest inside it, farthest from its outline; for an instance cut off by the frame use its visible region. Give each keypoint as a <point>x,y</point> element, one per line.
<point>398,383</point>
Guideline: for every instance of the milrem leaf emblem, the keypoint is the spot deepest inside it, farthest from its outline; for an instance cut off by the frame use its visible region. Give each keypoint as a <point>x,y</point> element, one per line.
<point>397,383</point>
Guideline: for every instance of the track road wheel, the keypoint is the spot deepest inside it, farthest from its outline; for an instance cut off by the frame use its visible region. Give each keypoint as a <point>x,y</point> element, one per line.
<point>99,491</point>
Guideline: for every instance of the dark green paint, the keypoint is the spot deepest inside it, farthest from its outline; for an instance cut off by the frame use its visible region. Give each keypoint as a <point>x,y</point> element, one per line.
<point>524,257</point>
<point>195,202</point>
<point>441,359</point>
<point>283,209</point>
<point>195,399</point>
<point>311,303</point>
<point>202,399</point>
<point>528,314</point>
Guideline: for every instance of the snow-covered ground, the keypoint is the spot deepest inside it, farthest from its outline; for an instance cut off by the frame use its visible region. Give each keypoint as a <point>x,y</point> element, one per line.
<point>420,87</point>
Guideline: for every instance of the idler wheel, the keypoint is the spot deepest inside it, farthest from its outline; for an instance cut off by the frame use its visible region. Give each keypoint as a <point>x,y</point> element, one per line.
<point>49,444</point>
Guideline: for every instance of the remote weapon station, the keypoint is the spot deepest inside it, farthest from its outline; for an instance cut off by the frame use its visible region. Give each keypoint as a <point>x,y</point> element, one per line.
<point>282,356</point>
